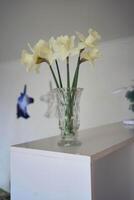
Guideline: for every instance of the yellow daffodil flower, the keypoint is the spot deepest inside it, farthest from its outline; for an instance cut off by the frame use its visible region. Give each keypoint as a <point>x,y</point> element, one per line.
<point>91,55</point>
<point>30,61</point>
<point>44,51</point>
<point>89,41</point>
<point>40,53</point>
<point>63,46</point>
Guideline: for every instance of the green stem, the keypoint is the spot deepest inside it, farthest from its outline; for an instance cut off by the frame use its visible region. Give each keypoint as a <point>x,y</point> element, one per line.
<point>76,74</point>
<point>55,79</point>
<point>58,71</point>
<point>75,79</point>
<point>68,74</point>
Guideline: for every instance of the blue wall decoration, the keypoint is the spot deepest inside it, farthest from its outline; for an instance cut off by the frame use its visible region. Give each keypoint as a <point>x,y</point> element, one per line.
<point>23,101</point>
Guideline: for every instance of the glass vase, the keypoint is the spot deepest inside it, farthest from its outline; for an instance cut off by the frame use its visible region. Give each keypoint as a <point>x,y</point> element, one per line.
<point>68,107</point>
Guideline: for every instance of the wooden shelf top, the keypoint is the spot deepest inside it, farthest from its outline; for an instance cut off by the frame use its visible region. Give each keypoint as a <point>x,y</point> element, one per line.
<point>96,142</point>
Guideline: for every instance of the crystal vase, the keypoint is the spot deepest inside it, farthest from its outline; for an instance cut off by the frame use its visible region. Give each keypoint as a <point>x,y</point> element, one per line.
<point>68,101</point>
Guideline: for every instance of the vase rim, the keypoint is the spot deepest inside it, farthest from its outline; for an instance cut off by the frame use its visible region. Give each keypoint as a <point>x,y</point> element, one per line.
<point>79,90</point>
<point>64,88</point>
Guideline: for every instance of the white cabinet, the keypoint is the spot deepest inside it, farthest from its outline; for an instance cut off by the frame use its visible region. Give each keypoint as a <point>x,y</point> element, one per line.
<point>38,175</point>
<point>41,170</point>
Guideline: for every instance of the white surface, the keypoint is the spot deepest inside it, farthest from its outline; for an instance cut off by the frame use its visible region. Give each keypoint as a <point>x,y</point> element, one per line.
<point>43,170</point>
<point>38,175</point>
<point>128,121</point>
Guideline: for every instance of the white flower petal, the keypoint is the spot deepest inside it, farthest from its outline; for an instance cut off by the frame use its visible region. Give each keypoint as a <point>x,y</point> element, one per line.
<point>63,46</point>
<point>29,60</point>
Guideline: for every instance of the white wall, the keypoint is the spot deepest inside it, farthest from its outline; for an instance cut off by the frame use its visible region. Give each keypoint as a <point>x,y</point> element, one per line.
<point>98,105</point>
<point>28,20</point>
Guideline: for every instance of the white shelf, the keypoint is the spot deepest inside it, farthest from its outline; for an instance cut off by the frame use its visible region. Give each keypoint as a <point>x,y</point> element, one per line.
<point>43,170</point>
<point>96,142</point>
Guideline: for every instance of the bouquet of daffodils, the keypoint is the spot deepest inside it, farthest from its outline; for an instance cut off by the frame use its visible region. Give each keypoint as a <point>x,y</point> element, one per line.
<point>62,48</point>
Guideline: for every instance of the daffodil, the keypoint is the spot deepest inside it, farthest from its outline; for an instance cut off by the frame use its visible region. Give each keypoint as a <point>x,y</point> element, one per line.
<point>90,41</point>
<point>44,51</point>
<point>91,55</point>
<point>41,52</point>
<point>30,61</point>
<point>63,46</point>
